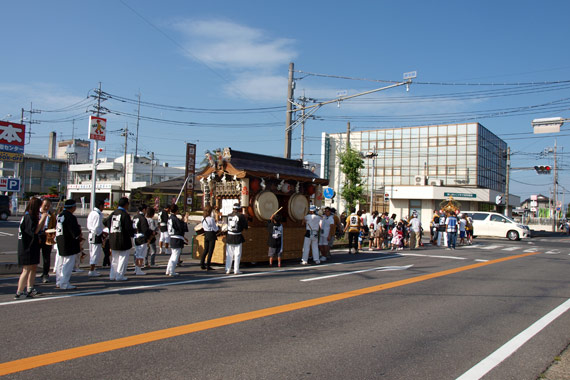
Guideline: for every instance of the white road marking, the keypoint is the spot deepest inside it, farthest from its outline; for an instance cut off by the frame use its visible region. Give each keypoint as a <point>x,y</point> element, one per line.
<point>492,247</point>
<point>552,252</point>
<point>497,357</point>
<point>356,272</point>
<point>435,256</point>
<point>510,249</point>
<point>217,278</point>
<point>529,250</point>
<point>6,234</point>
<point>481,260</point>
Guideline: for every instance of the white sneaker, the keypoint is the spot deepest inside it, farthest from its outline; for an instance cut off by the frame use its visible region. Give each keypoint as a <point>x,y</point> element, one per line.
<point>78,270</point>
<point>93,273</point>
<point>317,262</point>
<point>303,262</point>
<point>68,287</point>
<point>121,278</point>
<point>237,272</point>
<point>173,274</point>
<point>139,272</point>
<point>227,272</point>
<point>322,258</point>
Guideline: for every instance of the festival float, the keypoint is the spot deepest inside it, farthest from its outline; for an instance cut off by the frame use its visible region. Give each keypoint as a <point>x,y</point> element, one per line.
<point>261,185</point>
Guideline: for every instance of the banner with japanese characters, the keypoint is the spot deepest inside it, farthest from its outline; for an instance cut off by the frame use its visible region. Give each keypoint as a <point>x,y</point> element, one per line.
<point>12,140</point>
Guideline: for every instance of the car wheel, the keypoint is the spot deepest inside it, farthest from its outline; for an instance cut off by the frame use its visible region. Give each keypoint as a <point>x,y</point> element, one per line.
<point>4,215</point>
<point>513,235</point>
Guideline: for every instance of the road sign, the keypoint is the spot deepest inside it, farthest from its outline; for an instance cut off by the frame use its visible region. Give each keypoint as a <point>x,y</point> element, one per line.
<point>340,94</point>
<point>410,75</point>
<point>328,192</point>
<point>9,184</point>
<point>97,128</point>
<point>499,199</point>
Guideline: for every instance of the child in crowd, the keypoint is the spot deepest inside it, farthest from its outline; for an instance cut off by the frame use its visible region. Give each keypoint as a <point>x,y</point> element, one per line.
<point>361,234</point>
<point>398,237</point>
<point>275,239</point>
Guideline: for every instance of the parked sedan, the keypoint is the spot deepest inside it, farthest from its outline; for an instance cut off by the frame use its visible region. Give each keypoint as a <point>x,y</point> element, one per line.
<point>497,225</point>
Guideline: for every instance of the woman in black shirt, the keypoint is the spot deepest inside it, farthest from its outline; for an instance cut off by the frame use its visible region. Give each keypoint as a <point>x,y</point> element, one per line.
<point>29,246</point>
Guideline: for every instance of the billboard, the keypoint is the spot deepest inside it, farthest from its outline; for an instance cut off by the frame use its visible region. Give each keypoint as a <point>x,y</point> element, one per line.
<point>12,140</point>
<point>97,128</point>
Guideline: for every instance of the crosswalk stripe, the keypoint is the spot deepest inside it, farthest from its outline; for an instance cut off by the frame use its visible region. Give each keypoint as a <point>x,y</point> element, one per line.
<point>492,247</point>
<point>510,248</point>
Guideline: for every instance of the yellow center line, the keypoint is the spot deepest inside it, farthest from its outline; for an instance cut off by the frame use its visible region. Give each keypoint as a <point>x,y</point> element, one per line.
<point>115,344</point>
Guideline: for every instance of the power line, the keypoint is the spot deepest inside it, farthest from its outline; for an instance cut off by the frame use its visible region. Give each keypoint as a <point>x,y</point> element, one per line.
<point>428,83</point>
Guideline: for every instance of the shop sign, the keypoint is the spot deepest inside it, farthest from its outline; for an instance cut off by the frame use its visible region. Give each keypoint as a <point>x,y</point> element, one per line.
<point>460,195</point>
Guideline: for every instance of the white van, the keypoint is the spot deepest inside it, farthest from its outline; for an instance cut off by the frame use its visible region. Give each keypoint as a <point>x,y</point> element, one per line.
<point>497,225</point>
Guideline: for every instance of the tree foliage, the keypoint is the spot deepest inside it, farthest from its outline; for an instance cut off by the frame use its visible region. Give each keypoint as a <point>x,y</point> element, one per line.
<point>350,164</point>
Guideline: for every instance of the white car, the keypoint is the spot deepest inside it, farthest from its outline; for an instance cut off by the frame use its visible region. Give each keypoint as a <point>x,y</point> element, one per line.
<point>497,225</point>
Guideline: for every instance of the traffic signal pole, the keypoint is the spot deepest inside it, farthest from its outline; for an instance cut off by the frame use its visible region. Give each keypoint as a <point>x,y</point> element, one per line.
<point>507,180</point>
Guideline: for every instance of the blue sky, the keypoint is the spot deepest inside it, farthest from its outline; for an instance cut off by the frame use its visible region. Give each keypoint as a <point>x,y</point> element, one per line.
<point>211,57</point>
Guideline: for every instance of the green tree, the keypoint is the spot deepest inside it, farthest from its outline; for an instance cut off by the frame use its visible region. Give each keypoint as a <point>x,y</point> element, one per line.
<point>350,164</point>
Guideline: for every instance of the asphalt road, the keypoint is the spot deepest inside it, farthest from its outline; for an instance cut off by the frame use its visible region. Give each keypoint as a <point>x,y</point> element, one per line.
<point>424,314</point>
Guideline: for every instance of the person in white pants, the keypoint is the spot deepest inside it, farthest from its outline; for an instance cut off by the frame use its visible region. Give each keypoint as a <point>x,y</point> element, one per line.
<point>311,221</point>
<point>119,262</point>
<point>68,237</point>
<point>67,265</point>
<point>95,227</point>
<point>121,233</point>
<point>237,222</point>
<point>176,229</point>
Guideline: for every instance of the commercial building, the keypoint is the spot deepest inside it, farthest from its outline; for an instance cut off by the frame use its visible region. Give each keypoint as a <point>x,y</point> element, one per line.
<point>417,168</point>
<point>117,177</point>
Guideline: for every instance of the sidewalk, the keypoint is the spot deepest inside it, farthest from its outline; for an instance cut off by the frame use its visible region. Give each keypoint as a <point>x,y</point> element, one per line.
<point>560,367</point>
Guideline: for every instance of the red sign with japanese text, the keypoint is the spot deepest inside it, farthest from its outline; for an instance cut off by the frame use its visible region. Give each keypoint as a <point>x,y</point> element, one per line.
<point>12,140</point>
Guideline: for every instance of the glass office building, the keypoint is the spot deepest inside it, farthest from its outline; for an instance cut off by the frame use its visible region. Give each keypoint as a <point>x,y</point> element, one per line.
<point>459,156</point>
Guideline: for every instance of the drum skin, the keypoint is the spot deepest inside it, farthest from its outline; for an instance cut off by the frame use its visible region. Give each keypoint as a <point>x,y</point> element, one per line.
<point>298,207</point>
<point>265,205</point>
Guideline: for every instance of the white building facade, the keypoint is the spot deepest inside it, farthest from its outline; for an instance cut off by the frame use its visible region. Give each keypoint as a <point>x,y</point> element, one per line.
<point>417,168</point>
<point>115,179</point>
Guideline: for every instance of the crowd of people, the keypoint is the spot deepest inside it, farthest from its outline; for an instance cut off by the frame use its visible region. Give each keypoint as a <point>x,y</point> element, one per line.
<point>42,231</point>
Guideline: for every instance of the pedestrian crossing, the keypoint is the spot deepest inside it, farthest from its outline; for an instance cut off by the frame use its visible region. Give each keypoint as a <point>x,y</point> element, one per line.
<point>515,248</point>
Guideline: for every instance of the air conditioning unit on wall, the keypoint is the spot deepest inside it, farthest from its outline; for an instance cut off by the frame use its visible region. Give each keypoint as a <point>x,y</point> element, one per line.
<point>419,180</point>
<point>436,182</point>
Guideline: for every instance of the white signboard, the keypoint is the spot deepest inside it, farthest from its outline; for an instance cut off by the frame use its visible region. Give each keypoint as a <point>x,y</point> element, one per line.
<point>228,206</point>
<point>97,128</point>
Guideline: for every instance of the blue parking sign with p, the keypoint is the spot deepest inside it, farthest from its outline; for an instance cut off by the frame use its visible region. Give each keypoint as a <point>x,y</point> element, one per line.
<point>13,184</point>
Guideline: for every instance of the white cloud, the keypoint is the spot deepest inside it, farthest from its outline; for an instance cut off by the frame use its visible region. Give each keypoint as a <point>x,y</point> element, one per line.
<point>234,46</point>
<point>259,88</point>
<point>43,95</point>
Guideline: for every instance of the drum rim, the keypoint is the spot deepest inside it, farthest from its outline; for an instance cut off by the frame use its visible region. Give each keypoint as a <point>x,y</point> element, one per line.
<point>291,199</point>
<point>256,204</point>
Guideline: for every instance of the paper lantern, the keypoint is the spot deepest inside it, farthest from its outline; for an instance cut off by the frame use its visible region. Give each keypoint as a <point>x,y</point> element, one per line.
<point>254,185</point>
<point>311,190</point>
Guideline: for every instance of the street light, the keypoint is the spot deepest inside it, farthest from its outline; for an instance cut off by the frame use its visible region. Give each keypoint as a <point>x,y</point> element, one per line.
<point>548,125</point>
<point>373,156</point>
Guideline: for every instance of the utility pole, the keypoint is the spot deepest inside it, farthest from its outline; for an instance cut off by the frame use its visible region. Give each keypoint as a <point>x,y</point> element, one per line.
<point>289,116</point>
<point>555,190</point>
<point>348,134</point>
<point>126,134</point>
<point>304,101</point>
<point>151,167</point>
<point>138,119</point>
<point>507,181</point>
<point>95,150</point>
